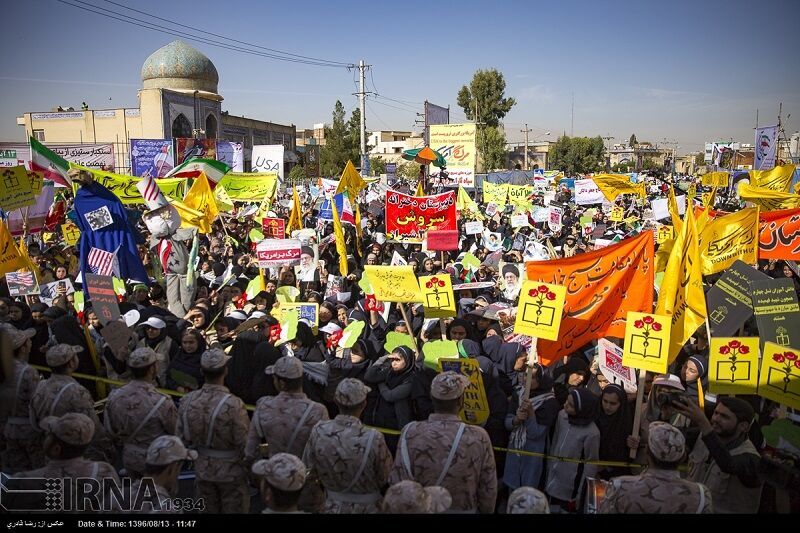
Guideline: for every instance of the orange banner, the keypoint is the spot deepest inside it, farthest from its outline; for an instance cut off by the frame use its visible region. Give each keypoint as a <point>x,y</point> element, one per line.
<point>602,286</point>
<point>779,234</point>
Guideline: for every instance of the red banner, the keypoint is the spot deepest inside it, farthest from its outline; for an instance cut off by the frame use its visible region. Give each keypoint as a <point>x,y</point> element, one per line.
<point>442,240</point>
<point>779,234</point>
<point>273,228</point>
<point>408,217</point>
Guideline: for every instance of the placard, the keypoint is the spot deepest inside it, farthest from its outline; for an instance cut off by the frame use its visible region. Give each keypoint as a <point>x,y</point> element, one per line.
<point>278,252</point>
<point>733,365</point>
<point>539,311</point>
<point>437,296</point>
<point>777,311</point>
<point>103,297</point>
<point>476,407</point>
<point>647,342</point>
<point>779,379</point>
<point>393,283</point>
<point>273,228</point>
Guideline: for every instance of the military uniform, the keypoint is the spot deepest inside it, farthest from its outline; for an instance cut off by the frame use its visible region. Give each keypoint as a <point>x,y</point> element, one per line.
<point>409,497</point>
<point>23,441</point>
<point>446,452</point>
<point>351,460</point>
<point>282,471</point>
<point>75,429</point>
<point>284,421</point>
<point>657,490</point>
<point>163,451</point>
<point>215,423</point>
<point>136,413</point>
<point>528,500</point>
<point>61,394</point>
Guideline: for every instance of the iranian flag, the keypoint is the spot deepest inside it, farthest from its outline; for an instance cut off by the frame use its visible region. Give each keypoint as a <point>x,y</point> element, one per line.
<point>213,169</point>
<point>54,166</point>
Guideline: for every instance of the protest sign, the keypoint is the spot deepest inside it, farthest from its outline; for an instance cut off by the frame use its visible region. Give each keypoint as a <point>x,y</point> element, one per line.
<point>779,379</point>
<point>539,311</point>
<point>777,311</point>
<point>476,407</point>
<point>21,283</point>
<point>273,228</point>
<point>609,357</point>
<point>437,296</point>
<point>103,297</point>
<point>393,283</point>
<point>647,342</point>
<point>278,252</point>
<point>733,365</point>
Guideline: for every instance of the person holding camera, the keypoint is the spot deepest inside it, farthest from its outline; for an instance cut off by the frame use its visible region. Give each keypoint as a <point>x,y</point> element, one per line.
<point>724,459</point>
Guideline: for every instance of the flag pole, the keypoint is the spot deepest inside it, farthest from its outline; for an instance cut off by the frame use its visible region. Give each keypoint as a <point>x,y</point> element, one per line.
<point>408,325</point>
<point>637,417</point>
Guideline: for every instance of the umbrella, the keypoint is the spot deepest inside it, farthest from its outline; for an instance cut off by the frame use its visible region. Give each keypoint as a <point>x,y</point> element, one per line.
<point>425,156</point>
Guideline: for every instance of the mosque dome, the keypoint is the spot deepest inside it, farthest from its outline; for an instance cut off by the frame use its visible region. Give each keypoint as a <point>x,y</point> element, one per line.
<point>179,66</point>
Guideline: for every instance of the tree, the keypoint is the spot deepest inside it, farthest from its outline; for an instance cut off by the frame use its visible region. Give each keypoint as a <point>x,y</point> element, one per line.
<point>409,170</point>
<point>342,142</point>
<point>483,100</point>
<point>492,147</point>
<point>632,142</point>
<point>649,164</point>
<point>577,155</point>
<point>377,165</point>
<point>700,159</point>
<point>297,174</point>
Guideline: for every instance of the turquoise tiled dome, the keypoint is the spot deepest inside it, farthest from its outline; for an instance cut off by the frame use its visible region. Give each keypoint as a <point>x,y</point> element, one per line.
<point>179,66</point>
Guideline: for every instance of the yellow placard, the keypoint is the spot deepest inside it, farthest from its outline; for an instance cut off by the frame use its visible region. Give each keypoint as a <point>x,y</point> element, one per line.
<point>124,187</point>
<point>437,296</point>
<point>715,179</point>
<point>71,233</point>
<point>617,213</point>
<point>15,188</point>
<point>37,181</point>
<point>255,186</point>
<point>664,234</point>
<point>394,283</point>
<point>476,406</point>
<point>733,365</point>
<point>646,342</point>
<point>779,379</point>
<point>692,191</point>
<point>495,194</point>
<point>540,308</point>
<point>518,195</point>
<point>706,197</point>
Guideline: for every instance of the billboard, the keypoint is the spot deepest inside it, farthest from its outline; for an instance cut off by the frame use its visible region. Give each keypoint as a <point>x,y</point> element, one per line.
<point>268,158</point>
<point>95,156</point>
<point>435,114</point>
<point>187,148</point>
<point>151,157</point>
<point>456,143</point>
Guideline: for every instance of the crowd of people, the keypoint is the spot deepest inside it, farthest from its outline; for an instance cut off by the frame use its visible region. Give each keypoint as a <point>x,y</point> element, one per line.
<point>314,427</point>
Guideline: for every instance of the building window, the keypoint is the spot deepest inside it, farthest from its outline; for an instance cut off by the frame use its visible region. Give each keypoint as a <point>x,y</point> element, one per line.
<point>181,127</point>
<point>211,127</point>
<point>397,150</point>
<point>38,135</point>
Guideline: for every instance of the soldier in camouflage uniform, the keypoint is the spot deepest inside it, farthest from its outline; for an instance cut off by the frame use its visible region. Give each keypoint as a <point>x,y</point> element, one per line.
<point>351,460</point>
<point>445,451</point>
<point>282,478</point>
<point>284,422</point>
<point>409,497</point>
<point>527,500</point>
<point>659,489</point>
<point>66,439</point>
<point>214,422</point>
<point>163,461</point>
<point>61,394</point>
<point>23,449</point>
<point>136,413</point>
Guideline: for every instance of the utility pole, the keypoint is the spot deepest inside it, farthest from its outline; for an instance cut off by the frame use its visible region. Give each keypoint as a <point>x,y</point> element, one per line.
<point>526,131</point>
<point>608,138</point>
<point>362,104</point>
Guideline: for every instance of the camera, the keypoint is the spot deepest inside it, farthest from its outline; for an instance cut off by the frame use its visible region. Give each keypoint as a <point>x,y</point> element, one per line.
<point>669,398</point>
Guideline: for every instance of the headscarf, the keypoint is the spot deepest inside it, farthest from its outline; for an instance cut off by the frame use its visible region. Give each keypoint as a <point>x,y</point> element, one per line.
<point>464,324</point>
<point>26,320</point>
<point>398,378</point>
<point>614,429</point>
<point>692,389</point>
<point>244,366</point>
<point>585,406</point>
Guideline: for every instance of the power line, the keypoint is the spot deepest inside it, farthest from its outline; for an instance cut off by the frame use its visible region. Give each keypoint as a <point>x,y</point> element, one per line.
<point>339,63</point>
<point>156,27</point>
<point>393,107</point>
<point>378,116</point>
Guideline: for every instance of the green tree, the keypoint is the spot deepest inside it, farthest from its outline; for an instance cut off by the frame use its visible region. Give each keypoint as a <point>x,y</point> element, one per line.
<point>492,147</point>
<point>377,165</point>
<point>409,170</point>
<point>577,155</point>
<point>649,164</point>
<point>632,142</point>
<point>484,99</point>
<point>297,174</point>
<point>700,159</point>
<point>342,142</point>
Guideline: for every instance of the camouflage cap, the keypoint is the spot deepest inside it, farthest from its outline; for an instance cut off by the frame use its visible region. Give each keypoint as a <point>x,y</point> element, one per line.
<point>73,428</point>
<point>527,500</point>
<point>666,442</point>
<point>441,500</point>
<point>141,357</point>
<point>351,391</point>
<point>214,359</point>
<point>167,449</point>
<point>283,471</point>
<point>18,337</point>
<point>61,354</point>
<point>406,497</point>
<point>286,368</point>
<point>448,385</point>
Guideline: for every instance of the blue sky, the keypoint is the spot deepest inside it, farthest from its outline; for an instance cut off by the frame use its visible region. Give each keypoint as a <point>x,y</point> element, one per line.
<point>689,71</point>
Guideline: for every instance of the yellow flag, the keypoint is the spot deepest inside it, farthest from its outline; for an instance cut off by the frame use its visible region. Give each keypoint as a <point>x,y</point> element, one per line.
<point>351,181</point>
<point>264,207</point>
<point>191,218</point>
<point>10,259</point>
<point>612,185</point>
<point>681,295</point>
<point>467,206</point>
<point>224,202</point>
<point>29,264</point>
<point>777,179</point>
<point>674,213</point>
<point>716,179</point>
<point>728,238</point>
<point>295,217</point>
<point>663,254</point>
<point>341,246</point>
<point>768,199</point>
<point>201,198</point>
<point>420,191</point>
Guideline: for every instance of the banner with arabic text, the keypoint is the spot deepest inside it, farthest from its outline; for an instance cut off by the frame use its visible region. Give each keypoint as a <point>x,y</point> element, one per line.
<point>456,143</point>
<point>278,252</point>
<point>249,186</point>
<point>124,187</point>
<point>779,235</point>
<point>408,217</point>
<point>151,157</point>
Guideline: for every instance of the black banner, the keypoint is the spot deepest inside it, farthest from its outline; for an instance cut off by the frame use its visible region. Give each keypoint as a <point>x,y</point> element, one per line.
<point>729,301</point>
<point>103,297</point>
<point>777,312</point>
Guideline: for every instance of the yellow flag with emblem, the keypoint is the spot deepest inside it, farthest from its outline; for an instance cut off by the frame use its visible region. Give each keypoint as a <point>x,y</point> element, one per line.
<point>612,185</point>
<point>10,258</point>
<point>201,198</point>
<point>681,296</point>
<point>466,206</point>
<point>768,199</point>
<point>776,179</point>
<point>728,238</point>
<point>295,217</point>
<point>341,246</point>
<point>351,181</point>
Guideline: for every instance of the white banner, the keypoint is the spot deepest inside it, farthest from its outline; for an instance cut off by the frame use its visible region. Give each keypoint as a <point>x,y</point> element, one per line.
<point>586,193</point>
<point>518,221</point>
<point>99,156</point>
<point>610,361</point>
<point>329,188</point>
<point>278,252</point>
<point>661,207</point>
<point>473,228</point>
<point>268,158</point>
<point>766,141</point>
